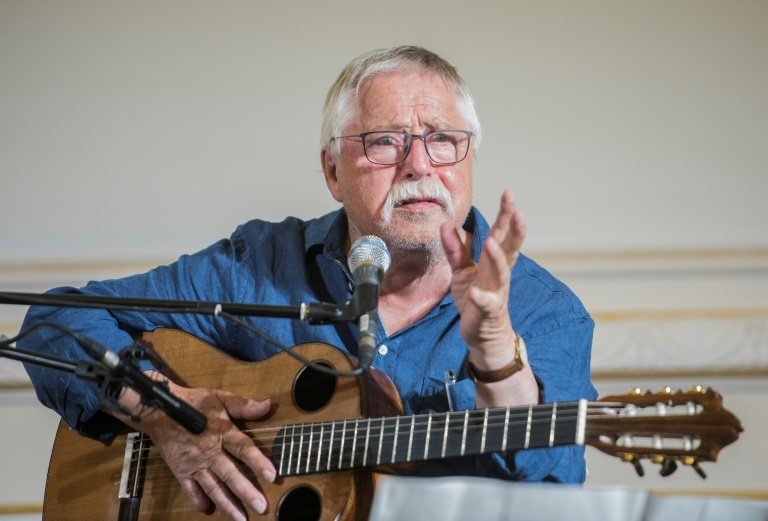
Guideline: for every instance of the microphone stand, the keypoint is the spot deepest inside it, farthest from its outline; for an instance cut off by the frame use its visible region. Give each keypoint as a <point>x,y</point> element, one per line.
<point>111,380</point>
<point>113,372</point>
<point>314,313</point>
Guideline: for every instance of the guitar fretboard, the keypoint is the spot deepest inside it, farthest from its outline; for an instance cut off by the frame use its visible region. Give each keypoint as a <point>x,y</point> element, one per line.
<point>345,444</point>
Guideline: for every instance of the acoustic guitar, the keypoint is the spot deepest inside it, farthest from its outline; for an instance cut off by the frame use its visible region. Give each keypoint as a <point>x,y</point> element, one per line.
<point>326,436</point>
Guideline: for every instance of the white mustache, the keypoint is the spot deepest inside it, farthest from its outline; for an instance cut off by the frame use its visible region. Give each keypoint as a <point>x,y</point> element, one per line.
<point>421,189</point>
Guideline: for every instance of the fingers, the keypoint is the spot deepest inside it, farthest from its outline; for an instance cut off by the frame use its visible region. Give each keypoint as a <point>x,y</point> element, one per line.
<point>509,228</point>
<point>494,266</point>
<point>211,466</point>
<point>218,492</point>
<point>230,478</point>
<point>223,481</point>
<point>241,447</point>
<point>195,494</point>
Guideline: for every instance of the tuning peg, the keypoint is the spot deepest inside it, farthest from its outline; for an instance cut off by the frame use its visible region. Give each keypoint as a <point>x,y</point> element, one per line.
<point>694,464</point>
<point>697,389</point>
<point>665,390</point>
<point>668,466</point>
<point>635,461</point>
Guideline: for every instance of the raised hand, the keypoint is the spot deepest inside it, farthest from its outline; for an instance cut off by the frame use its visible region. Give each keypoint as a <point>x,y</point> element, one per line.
<point>481,291</point>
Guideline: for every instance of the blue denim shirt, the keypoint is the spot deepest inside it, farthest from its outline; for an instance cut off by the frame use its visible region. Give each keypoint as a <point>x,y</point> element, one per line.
<point>284,264</point>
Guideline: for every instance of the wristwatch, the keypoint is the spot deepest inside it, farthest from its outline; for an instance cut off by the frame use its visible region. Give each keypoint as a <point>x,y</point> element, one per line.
<point>497,375</point>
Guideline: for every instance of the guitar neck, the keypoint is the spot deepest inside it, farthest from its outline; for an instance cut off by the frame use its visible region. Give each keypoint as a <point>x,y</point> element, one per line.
<point>347,444</point>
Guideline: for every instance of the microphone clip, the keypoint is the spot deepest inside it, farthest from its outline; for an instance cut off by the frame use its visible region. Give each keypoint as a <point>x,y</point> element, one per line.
<point>128,374</point>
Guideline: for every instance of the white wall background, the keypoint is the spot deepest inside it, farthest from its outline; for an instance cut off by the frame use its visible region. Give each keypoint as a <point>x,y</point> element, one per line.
<point>131,132</point>
<point>132,129</point>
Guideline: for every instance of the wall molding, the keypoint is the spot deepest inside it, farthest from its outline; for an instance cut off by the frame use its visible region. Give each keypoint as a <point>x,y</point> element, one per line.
<point>697,313</point>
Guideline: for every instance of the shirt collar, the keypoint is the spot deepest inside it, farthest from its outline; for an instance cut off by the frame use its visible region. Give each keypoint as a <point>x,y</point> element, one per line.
<point>330,232</point>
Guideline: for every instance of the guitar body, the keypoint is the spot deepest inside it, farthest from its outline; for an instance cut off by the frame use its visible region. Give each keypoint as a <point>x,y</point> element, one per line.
<point>84,475</point>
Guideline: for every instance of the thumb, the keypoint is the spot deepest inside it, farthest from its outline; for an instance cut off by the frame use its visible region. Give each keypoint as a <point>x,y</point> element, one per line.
<point>455,250</point>
<point>239,406</point>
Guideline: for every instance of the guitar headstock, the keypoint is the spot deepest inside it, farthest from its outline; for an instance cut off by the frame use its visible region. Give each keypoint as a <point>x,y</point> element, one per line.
<point>665,427</point>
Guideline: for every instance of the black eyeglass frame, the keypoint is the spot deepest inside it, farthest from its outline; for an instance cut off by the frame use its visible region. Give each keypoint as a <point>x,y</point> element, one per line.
<point>423,138</point>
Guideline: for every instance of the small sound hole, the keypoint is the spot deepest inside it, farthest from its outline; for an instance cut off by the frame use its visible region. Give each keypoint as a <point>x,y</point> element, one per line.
<point>300,504</point>
<point>313,389</point>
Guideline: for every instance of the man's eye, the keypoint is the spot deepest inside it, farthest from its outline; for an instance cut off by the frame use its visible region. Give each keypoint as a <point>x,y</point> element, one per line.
<point>385,140</point>
<point>441,137</point>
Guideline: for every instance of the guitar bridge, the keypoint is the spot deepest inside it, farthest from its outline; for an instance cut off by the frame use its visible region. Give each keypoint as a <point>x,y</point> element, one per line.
<point>132,476</point>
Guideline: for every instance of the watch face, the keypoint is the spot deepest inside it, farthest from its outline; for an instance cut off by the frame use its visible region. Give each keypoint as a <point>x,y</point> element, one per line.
<point>522,351</point>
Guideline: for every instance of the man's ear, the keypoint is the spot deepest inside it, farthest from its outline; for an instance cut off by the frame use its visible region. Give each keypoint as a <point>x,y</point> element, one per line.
<point>330,172</point>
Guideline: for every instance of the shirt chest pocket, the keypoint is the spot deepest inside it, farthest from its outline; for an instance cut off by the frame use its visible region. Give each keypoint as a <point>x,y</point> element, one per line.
<point>443,396</point>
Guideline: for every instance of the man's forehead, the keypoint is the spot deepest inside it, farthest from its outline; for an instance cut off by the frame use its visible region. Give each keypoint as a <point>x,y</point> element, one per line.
<point>405,99</point>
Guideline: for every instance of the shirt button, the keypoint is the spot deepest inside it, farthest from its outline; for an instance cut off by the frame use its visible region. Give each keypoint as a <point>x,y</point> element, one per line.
<point>383,350</point>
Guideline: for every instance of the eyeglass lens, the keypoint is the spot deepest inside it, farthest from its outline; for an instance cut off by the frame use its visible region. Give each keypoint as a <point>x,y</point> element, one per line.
<point>389,148</point>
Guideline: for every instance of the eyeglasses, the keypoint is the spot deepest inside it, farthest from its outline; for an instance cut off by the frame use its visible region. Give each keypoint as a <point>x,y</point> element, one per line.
<point>390,148</point>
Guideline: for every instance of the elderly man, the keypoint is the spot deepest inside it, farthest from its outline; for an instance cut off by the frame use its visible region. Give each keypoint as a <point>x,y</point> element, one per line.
<point>398,140</point>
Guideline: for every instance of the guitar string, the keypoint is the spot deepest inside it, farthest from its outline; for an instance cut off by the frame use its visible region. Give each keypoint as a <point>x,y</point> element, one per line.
<point>153,463</point>
<point>538,417</point>
<point>162,476</point>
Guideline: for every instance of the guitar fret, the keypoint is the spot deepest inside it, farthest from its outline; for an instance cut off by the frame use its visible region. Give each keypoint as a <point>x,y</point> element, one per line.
<point>552,425</point>
<point>354,445</point>
<point>341,449</point>
<point>381,440</point>
<point>464,432</point>
<point>309,449</point>
<point>330,446</point>
<point>581,422</point>
<point>290,451</point>
<point>301,445</point>
<point>445,433</point>
<point>485,431</point>
<point>528,427</point>
<point>394,444</point>
<point>367,437</point>
<point>410,439</point>
<point>506,431</point>
<point>282,450</point>
<point>319,447</point>
<point>429,431</point>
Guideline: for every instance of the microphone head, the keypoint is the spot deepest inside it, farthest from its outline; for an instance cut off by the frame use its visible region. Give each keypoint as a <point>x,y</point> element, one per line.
<point>369,249</point>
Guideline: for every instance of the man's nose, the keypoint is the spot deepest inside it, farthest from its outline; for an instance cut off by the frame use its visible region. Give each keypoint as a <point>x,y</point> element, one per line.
<point>417,163</point>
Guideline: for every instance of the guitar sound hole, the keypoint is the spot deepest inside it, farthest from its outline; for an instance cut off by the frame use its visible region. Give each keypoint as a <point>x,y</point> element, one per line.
<point>300,504</point>
<point>313,389</point>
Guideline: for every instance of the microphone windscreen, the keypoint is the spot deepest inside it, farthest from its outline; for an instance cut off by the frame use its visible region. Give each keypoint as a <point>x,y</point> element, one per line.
<point>369,249</point>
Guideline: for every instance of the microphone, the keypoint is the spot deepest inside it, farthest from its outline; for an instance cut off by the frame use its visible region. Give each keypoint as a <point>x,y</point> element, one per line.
<point>368,260</point>
<point>154,393</point>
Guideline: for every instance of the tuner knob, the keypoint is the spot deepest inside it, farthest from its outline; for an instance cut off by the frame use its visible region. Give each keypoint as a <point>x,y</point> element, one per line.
<point>691,461</point>
<point>668,466</point>
<point>665,390</point>
<point>635,461</point>
<point>636,391</point>
<point>698,470</point>
<point>696,389</point>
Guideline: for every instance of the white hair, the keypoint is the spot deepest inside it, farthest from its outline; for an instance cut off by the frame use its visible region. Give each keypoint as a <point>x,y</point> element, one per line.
<point>341,103</point>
